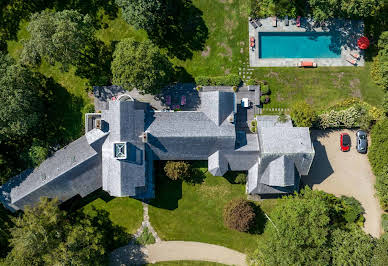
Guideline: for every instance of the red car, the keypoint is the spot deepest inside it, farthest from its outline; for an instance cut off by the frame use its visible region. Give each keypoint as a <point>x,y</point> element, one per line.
<point>345,142</point>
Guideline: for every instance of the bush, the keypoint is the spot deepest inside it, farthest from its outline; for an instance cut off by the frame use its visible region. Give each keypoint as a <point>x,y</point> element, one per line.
<point>264,99</point>
<point>282,117</point>
<point>177,170</point>
<point>303,114</point>
<point>229,80</point>
<point>37,154</point>
<point>384,222</point>
<point>252,82</point>
<point>265,89</point>
<point>352,209</point>
<point>350,117</point>
<point>146,237</point>
<point>241,178</point>
<point>239,215</point>
<point>235,88</point>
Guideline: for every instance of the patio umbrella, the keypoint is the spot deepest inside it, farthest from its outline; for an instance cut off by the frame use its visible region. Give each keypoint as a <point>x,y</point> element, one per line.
<point>363,42</point>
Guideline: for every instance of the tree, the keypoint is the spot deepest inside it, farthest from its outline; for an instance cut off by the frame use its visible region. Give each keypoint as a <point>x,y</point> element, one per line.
<point>379,70</point>
<point>239,215</point>
<point>140,65</point>
<point>303,114</point>
<point>177,170</point>
<point>351,246</point>
<point>58,37</point>
<point>45,235</point>
<point>142,14</point>
<point>37,153</point>
<point>298,232</point>
<point>21,108</point>
<point>380,254</point>
<point>5,224</point>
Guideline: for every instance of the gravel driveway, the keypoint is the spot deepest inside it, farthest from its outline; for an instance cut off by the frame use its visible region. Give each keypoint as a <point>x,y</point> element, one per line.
<point>345,173</point>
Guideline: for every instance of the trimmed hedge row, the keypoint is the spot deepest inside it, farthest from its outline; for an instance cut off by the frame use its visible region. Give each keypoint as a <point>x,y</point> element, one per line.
<point>228,80</point>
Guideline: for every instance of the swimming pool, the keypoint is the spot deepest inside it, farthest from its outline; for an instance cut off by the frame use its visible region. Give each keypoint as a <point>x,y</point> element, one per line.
<point>298,45</point>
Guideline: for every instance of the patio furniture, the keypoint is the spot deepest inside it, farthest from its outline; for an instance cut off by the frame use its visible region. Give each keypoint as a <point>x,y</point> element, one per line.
<point>113,98</point>
<point>183,100</point>
<point>252,44</point>
<point>245,102</point>
<point>258,22</point>
<point>363,42</point>
<point>307,64</point>
<point>253,23</point>
<point>274,21</point>
<point>252,39</point>
<point>298,21</point>
<point>168,100</point>
<point>286,22</point>
<point>351,60</point>
<point>355,55</point>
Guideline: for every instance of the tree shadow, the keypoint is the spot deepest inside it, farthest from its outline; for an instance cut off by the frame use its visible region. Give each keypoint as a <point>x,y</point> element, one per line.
<point>196,176</point>
<point>260,220</point>
<point>182,30</point>
<point>167,192</point>
<point>131,254</point>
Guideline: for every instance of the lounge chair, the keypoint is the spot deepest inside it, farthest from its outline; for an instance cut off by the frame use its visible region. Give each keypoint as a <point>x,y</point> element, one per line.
<point>351,60</point>
<point>183,100</point>
<point>286,22</point>
<point>298,21</point>
<point>355,55</point>
<point>253,23</point>
<point>168,100</point>
<point>274,21</point>
<point>258,22</point>
<point>307,64</point>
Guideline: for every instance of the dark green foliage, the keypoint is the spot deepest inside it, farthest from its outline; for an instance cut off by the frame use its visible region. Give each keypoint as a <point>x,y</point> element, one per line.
<point>140,65</point>
<point>303,114</point>
<point>351,246</point>
<point>58,37</point>
<point>228,80</point>
<point>265,89</point>
<point>239,215</point>
<point>266,8</point>
<point>385,103</point>
<point>380,254</point>
<point>252,82</point>
<point>264,99</point>
<point>5,224</point>
<point>379,70</point>
<point>283,117</point>
<point>177,170</point>
<point>21,108</point>
<point>241,178</point>
<point>38,153</point>
<point>45,235</point>
<point>384,222</point>
<point>352,209</point>
<point>378,158</point>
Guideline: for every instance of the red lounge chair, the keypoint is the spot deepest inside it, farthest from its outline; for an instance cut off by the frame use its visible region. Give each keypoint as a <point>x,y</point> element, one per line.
<point>307,64</point>
<point>298,21</point>
<point>183,100</point>
<point>252,44</point>
<point>168,100</point>
<point>252,39</point>
<point>355,55</point>
<point>113,98</point>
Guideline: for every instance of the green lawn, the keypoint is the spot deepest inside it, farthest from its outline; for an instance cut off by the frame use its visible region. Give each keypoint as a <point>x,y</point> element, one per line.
<point>194,212</point>
<point>186,263</point>
<point>124,212</point>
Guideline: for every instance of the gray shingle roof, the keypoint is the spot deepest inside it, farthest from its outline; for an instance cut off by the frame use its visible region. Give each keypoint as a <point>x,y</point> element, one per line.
<point>217,164</point>
<point>278,172</point>
<point>217,105</point>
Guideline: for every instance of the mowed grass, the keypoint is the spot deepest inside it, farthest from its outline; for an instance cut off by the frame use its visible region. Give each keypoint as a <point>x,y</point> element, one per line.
<point>125,212</point>
<point>188,212</point>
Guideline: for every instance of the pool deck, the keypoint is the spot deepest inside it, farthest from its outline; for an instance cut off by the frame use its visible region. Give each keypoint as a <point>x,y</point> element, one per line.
<point>346,33</point>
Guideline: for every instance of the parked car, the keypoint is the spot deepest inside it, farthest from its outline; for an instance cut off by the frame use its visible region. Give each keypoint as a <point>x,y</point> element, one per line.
<point>345,142</point>
<point>362,141</point>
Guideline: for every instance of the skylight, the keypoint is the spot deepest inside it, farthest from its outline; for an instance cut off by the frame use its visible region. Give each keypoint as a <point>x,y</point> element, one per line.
<point>120,150</point>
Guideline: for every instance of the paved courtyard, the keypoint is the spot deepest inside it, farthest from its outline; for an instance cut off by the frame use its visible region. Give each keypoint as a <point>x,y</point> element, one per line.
<point>345,36</point>
<point>345,173</point>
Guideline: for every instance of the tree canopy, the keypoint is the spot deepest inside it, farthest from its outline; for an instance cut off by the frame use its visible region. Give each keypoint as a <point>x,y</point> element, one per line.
<point>303,114</point>
<point>58,37</point>
<point>140,65</point>
<point>379,69</point>
<point>21,108</point>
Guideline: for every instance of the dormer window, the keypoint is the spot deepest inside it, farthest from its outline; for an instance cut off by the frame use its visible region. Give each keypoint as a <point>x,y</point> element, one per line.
<point>120,150</point>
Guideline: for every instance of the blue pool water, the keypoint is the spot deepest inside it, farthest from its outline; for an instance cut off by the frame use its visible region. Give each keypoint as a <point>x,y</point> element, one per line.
<point>298,45</point>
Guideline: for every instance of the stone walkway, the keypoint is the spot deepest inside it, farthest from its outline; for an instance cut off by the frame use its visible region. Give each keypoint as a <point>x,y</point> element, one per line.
<point>146,223</point>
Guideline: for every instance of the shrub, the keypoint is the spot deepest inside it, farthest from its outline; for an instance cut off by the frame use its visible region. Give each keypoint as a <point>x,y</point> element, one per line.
<point>264,99</point>
<point>241,178</point>
<point>385,103</point>
<point>239,215</point>
<point>198,88</point>
<point>252,82</point>
<point>265,89</point>
<point>235,88</point>
<point>350,117</point>
<point>254,126</point>
<point>384,222</point>
<point>352,209</point>
<point>303,114</point>
<point>177,170</point>
<point>146,237</point>
<point>229,80</point>
<point>282,117</point>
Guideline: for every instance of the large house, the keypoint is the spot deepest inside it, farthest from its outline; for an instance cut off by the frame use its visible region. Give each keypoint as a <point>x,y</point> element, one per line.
<point>121,143</point>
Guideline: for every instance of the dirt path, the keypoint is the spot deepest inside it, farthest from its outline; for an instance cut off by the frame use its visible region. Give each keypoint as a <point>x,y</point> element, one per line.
<point>176,250</point>
<point>345,173</point>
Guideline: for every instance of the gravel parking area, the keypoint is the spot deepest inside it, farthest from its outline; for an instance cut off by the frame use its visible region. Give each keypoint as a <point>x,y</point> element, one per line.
<point>345,173</point>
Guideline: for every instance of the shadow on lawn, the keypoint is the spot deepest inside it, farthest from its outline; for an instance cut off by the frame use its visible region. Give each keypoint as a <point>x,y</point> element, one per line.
<point>260,220</point>
<point>182,29</point>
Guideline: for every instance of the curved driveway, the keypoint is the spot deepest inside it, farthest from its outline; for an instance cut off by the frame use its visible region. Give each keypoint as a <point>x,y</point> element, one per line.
<point>345,173</point>
<point>176,250</point>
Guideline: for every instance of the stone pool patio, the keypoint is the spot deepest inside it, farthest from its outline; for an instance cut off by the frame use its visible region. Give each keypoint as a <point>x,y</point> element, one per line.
<point>346,33</point>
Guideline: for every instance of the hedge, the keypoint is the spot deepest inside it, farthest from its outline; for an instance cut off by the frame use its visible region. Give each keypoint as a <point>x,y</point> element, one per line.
<point>378,158</point>
<point>239,215</point>
<point>228,80</point>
